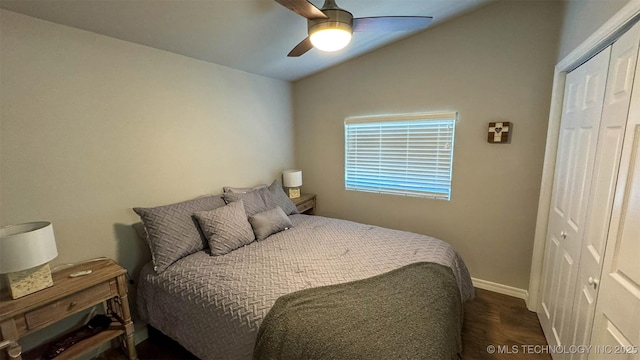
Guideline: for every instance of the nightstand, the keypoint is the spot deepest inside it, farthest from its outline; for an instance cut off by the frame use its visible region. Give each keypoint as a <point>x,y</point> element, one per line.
<point>306,204</point>
<point>106,284</point>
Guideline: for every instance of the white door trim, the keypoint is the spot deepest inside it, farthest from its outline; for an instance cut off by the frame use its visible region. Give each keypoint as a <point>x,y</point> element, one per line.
<point>603,37</point>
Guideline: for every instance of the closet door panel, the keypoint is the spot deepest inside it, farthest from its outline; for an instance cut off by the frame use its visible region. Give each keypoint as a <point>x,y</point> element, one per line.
<point>600,198</point>
<point>582,110</point>
<point>617,316</point>
<point>551,283</point>
<point>584,305</point>
<point>618,310</point>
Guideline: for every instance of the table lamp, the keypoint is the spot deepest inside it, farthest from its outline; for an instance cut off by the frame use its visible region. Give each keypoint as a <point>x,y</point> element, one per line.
<point>292,180</point>
<point>25,252</point>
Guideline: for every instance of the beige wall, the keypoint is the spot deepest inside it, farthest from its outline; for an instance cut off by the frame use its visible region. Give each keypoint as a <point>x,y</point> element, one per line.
<point>582,18</point>
<point>93,126</point>
<point>495,64</point>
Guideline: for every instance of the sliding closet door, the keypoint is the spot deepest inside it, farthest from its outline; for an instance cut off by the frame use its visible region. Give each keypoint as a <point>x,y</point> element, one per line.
<point>581,115</point>
<point>622,68</point>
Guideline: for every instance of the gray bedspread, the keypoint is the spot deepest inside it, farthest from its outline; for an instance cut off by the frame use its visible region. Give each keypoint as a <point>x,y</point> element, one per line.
<point>214,305</point>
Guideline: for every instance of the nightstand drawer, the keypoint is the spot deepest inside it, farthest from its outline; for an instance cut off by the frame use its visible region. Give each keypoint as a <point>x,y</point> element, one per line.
<point>68,305</point>
<point>306,205</point>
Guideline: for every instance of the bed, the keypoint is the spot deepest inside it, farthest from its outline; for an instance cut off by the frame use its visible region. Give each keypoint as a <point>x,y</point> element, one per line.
<point>216,306</point>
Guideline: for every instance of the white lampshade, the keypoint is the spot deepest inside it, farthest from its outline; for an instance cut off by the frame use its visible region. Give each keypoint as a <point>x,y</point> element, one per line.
<point>25,246</point>
<point>292,178</point>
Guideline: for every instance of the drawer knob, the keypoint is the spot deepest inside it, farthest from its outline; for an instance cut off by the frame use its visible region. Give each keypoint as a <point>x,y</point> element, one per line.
<point>14,351</point>
<point>72,305</point>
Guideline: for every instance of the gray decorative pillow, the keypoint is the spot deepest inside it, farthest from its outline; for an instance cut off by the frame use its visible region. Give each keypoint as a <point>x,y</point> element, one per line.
<point>172,232</point>
<point>269,222</point>
<point>242,190</point>
<point>254,201</point>
<point>226,228</point>
<point>277,197</point>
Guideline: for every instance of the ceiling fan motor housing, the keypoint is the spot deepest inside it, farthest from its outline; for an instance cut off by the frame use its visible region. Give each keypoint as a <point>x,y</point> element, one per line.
<point>337,19</point>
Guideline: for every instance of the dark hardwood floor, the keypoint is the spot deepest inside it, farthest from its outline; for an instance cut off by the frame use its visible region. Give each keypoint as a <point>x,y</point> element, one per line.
<point>505,323</point>
<point>491,319</point>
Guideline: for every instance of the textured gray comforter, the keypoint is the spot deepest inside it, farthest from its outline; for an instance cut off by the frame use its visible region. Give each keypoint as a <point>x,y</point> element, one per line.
<point>414,312</point>
<point>214,305</point>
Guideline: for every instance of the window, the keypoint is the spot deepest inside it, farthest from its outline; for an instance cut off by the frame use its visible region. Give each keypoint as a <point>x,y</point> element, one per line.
<point>409,155</point>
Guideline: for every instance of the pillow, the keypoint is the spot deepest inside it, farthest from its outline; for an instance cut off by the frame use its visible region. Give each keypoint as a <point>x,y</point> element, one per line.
<point>226,228</point>
<point>254,201</point>
<point>171,230</point>
<point>269,222</point>
<point>243,190</point>
<point>277,197</point>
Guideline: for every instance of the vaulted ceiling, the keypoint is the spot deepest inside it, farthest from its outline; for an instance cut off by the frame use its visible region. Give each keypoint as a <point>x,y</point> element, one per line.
<point>250,35</point>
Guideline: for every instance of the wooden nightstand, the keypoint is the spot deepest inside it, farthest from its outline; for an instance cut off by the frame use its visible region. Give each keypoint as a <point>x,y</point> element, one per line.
<point>306,204</point>
<point>106,284</point>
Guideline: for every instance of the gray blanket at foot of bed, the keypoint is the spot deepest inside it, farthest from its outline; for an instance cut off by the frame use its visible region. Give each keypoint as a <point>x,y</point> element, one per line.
<point>414,312</point>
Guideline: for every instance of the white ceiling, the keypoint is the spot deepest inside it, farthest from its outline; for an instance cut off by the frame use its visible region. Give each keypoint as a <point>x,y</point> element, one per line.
<point>250,35</point>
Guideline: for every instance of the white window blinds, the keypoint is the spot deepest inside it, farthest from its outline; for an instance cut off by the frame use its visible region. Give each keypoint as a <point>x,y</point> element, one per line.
<point>409,155</point>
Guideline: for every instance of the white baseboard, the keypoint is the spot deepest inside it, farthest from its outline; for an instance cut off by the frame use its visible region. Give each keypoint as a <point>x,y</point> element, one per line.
<point>502,289</point>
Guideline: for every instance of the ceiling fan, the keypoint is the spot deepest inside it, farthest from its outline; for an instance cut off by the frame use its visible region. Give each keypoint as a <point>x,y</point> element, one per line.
<point>331,27</point>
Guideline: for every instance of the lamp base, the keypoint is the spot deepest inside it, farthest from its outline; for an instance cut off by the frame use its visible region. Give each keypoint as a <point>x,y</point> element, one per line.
<point>293,192</point>
<point>28,281</point>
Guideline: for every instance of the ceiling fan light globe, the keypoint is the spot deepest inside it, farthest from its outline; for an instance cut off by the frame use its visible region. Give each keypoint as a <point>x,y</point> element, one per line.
<point>330,39</point>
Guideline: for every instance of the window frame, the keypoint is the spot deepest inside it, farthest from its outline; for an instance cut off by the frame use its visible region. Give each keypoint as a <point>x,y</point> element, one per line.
<point>431,184</point>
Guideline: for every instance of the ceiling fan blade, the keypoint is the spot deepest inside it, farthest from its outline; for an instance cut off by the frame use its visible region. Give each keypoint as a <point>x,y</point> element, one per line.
<point>391,23</point>
<point>304,46</point>
<point>303,8</point>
